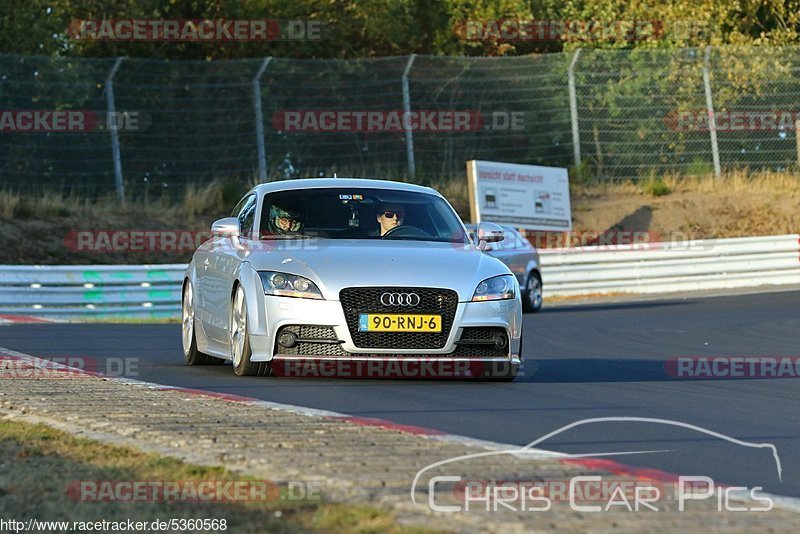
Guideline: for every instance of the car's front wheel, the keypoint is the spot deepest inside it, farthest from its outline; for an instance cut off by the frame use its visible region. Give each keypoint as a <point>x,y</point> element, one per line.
<point>190,352</point>
<point>533,297</point>
<point>240,339</point>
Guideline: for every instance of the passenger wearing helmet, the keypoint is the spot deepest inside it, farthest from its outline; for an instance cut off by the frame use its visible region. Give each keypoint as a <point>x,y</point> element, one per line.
<point>285,220</point>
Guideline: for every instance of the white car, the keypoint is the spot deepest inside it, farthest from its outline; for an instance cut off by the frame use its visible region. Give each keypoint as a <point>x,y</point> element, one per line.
<point>306,270</point>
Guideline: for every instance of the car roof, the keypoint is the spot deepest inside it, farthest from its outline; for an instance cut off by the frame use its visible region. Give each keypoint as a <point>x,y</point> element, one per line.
<point>321,183</point>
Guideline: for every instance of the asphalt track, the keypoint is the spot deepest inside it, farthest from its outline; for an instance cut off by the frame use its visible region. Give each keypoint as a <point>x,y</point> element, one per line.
<point>601,360</point>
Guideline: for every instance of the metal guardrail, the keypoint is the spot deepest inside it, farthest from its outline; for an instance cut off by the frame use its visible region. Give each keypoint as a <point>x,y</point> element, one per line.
<point>153,291</point>
<point>91,291</point>
<point>675,266</point>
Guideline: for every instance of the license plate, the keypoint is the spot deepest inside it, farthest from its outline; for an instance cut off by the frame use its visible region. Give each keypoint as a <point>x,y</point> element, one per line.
<point>399,322</point>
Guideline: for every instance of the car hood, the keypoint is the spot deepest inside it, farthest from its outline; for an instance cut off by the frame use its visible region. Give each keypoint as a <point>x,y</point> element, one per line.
<point>336,264</point>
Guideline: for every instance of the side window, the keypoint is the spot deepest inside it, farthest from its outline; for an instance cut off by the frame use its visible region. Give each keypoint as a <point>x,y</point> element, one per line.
<point>247,215</point>
<point>513,240</point>
<point>235,212</point>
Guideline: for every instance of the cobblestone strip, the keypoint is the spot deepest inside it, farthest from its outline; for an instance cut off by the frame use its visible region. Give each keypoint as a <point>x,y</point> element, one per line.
<point>354,460</point>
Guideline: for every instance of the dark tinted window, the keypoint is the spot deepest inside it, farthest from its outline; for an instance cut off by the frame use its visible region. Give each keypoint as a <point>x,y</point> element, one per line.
<point>351,213</point>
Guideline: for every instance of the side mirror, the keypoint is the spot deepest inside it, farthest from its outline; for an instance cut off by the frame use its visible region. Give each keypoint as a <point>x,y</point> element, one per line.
<point>226,227</point>
<point>489,233</point>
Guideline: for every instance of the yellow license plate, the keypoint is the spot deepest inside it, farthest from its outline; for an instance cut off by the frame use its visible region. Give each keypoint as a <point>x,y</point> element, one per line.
<point>399,322</point>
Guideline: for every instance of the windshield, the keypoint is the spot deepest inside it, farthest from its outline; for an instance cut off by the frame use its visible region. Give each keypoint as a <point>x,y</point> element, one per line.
<point>360,213</point>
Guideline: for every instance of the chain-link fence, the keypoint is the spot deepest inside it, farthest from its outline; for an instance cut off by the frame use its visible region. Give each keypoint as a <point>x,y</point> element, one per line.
<point>157,125</point>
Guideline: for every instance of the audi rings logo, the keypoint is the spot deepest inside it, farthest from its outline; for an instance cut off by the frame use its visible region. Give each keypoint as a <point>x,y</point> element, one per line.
<point>400,299</point>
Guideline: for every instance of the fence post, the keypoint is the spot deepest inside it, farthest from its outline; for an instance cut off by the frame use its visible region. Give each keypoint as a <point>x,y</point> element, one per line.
<point>573,109</point>
<point>712,119</point>
<point>797,139</point>
<point>412,170</point>
<point>262,153</point>
<point>111,121</point>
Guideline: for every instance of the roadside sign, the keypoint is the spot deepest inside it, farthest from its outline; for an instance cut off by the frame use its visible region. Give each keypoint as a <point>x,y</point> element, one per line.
<point>524,196</point>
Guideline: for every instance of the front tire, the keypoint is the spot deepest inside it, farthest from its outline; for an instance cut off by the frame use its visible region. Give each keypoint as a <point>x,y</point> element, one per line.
<point>189,341</point>
<point>240,339</point>
<point>533,295</point>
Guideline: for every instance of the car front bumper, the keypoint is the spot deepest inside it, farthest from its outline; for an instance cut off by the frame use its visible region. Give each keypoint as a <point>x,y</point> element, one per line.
<point>456,358</point>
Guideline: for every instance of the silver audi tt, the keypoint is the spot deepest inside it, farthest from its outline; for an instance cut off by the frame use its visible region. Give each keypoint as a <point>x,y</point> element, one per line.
<point>351,277</point>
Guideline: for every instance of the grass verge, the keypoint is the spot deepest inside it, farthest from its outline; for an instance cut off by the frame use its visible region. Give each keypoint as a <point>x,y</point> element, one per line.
<point>34,228</point>
<point>40,464</point>
<point>214,198</point>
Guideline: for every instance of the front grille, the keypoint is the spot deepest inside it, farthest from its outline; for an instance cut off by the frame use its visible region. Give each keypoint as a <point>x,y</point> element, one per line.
<point>322,333</point>
<point>358,300</point>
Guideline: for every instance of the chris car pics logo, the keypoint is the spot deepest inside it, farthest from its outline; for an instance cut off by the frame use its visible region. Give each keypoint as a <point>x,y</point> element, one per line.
<point>587,493</point>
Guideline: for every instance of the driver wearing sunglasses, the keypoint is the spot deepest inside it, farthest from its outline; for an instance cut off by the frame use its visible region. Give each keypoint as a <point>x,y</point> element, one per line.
<point>390,217</point>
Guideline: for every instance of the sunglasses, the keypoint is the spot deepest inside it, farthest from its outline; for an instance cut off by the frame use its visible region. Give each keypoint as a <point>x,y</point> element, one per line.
<point>391,214</point>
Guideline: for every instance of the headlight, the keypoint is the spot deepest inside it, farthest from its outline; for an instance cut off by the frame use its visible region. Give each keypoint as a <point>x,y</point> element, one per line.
<point>289,285</point>
<point>497,288</point>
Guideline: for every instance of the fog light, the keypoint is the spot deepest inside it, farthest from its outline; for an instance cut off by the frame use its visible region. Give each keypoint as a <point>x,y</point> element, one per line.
<point>287,340</point>
<point>500,341</point>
